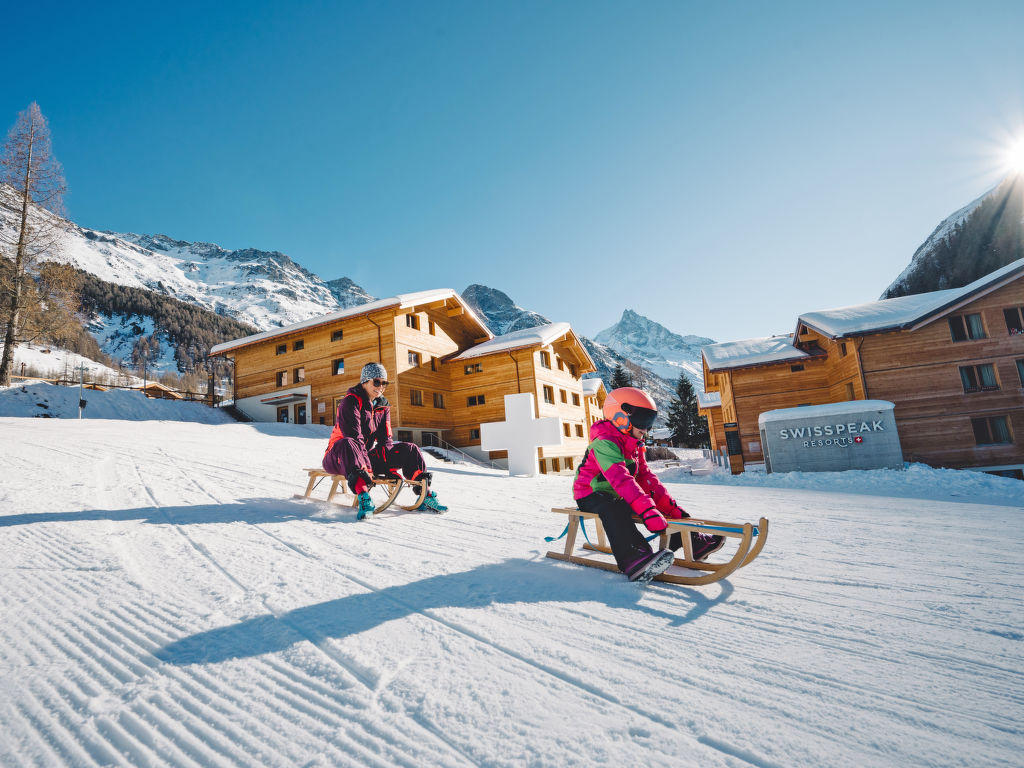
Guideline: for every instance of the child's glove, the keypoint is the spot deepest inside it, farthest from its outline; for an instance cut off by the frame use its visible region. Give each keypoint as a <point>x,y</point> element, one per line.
<point>675,512</point>
<point>654,521</point>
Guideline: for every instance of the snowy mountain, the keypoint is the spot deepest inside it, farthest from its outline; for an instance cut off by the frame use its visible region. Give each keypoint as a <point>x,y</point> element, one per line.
<point>503,316</point>
<point>654,346</point>
<point>981,237</point>
<point>265,289</point>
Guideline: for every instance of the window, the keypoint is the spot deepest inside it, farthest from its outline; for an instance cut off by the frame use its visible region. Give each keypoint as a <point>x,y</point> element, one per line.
<point>579,430</point>
<point>549,395</point>
<point>978,378</point>
<point>1014,320</point>
<point>842,349</point>
<point>966,327</point>
<point>558,360</point>
<point>282,378</point>
<point>438,400</point>
<point>564,397</point>
<point>300,414</point>
<point>412,321</point>
<point>433,328</point>
<point>416,396</point>
<point>566,430</point>
<point>572,369</point>
<point>404,435</point>
<point>475,400</point>
<point>575,399</point>
<point>297,345</point>
<point>300,375</point>
<point>545,359</point>
<point>281,349</point>
<point>433,363</point>
<point>414,358</point>
<point>568,462</point>
<point>337,335</point>
<point>795,368</point>
<point>282,414</point>
<point>1020,371</point>
<point>474,368</point>
<point>474,434</point>
<point>556,465</point>
<point>338,366</point>
<point>991,430</point>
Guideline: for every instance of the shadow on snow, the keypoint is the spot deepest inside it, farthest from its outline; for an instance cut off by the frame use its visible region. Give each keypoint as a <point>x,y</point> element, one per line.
<point>508,582</point>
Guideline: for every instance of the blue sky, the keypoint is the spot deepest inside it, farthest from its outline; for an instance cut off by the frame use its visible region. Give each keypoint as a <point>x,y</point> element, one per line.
<point>718,167</point>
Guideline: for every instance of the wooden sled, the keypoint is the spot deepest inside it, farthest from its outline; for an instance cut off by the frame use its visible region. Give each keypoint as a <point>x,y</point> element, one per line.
<point>384,490</point>
<point>752,539</point>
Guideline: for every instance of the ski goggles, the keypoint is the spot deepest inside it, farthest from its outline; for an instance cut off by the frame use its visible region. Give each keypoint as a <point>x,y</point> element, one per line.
<point>640,418</point>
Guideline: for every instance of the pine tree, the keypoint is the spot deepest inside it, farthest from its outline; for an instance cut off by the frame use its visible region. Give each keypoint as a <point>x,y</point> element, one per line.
<point>620,378</point>
<point>689,428</point>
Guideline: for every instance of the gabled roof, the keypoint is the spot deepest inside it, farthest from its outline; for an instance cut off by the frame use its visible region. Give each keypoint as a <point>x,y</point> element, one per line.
<point>538,336</point>
<point>905,312</point>
<point>748,352</point>
<point>402,301</point>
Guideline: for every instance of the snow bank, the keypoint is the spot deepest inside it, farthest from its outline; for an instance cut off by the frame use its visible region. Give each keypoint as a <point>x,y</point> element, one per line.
<point>917,481</point>
<point>51,401</point>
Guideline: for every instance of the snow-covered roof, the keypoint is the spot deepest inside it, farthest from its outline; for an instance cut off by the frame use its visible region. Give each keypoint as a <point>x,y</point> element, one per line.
<point>709,399</point>
<point>740,354</point>
<point>661,433</point>
<point>591,385</point>
<point>402,301</point>
<point>904,311</point>
<point>540,335</point>
<point>823,411</point>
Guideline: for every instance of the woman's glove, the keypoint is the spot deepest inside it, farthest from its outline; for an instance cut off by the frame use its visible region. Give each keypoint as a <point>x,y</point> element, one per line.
<point>653,520</point>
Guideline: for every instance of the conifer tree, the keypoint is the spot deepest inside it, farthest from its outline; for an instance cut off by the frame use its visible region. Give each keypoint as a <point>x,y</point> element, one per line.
<point>689,428</point>
<point>32,190</point>
<point>620,378</point>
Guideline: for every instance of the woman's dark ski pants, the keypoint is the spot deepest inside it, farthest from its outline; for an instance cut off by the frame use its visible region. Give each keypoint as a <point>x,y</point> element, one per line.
<point>629,546</point>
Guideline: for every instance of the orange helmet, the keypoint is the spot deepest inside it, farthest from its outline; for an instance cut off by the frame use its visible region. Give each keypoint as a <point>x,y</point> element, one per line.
<point>628,407</point>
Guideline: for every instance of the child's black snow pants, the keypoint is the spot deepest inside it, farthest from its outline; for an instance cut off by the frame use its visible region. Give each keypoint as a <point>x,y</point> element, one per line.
<point>628,544</point>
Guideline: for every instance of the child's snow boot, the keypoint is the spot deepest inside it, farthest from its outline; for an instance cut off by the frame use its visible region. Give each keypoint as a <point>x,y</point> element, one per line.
<point>659,563</point>
<point>366,507</point>
<point>431,504</point>
<point>704,544</point>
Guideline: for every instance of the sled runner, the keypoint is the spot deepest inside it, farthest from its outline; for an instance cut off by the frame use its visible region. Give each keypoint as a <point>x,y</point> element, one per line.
<point>384,491</point>
<point>751,537</point>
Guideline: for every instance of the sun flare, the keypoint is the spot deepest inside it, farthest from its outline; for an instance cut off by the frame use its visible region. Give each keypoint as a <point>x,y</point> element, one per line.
<point>1015,156</point>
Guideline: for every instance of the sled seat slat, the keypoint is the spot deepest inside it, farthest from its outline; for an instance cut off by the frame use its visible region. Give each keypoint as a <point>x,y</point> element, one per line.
<point>751,537</point>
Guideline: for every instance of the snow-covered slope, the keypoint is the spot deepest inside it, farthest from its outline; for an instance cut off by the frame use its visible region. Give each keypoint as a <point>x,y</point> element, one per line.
<point>262,288</point>
<point>54,363</point>
<point>983,236</point>
<point>167,603</point>
<point>654,346</point>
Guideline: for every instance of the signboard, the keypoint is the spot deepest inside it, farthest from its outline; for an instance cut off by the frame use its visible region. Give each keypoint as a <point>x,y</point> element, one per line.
<point>857,434</point>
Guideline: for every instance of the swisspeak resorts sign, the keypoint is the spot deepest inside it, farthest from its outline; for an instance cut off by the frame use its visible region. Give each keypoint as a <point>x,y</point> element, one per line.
<point>858,434</point>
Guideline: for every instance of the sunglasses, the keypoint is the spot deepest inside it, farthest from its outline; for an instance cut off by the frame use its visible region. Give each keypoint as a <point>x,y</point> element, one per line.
<point>380,383</point>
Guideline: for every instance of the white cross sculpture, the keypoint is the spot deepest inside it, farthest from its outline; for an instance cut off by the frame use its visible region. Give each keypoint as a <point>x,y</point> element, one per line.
<point>520,434</point>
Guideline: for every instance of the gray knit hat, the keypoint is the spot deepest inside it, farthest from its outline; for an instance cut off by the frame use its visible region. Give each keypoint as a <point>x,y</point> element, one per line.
<point>373,371</point>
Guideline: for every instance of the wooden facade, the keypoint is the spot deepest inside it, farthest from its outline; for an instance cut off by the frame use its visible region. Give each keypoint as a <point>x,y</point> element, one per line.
<point>440,390</point>
<point>955,375</point>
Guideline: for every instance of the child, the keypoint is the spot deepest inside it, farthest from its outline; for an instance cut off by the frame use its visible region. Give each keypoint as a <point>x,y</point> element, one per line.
<point>361,446</point>
<point>613,480</point>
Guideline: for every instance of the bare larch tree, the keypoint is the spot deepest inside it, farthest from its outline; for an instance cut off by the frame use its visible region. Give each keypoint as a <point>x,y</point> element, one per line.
<point>36,295</point>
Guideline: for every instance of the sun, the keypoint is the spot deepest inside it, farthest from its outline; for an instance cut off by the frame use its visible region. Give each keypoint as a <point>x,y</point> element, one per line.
<point>1014,158</point>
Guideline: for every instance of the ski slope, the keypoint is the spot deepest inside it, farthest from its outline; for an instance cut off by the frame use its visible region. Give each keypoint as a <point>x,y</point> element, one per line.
<point>166,602</point>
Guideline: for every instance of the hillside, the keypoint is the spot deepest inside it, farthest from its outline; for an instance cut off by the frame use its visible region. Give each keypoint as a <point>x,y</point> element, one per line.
<point>978,239</point>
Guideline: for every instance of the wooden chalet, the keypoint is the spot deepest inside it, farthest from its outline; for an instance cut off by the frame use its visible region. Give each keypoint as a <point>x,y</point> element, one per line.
<point>951,361</point>
<point>448,372</point>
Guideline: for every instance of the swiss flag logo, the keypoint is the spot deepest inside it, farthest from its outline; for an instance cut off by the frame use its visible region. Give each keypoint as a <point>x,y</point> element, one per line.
<point>858,439</point>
